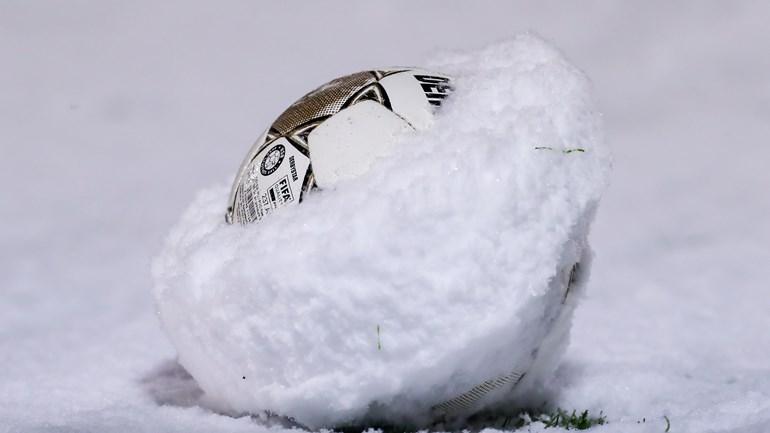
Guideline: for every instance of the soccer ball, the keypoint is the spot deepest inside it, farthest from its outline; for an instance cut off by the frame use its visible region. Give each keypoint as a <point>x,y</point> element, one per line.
<point>437,287</point>
<point>332,134</point>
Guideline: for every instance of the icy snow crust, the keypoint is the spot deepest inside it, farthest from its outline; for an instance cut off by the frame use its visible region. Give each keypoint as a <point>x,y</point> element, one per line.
<point>455,247</point>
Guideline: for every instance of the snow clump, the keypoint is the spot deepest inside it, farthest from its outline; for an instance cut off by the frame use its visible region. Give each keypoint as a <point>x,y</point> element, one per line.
<point>445,266</point>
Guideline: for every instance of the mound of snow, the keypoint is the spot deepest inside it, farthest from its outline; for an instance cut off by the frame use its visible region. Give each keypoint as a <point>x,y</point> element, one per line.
<point>440,269</point>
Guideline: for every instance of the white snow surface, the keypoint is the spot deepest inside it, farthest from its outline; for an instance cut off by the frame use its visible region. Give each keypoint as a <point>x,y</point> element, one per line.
<point>457,246</point>
<point>115,114</point>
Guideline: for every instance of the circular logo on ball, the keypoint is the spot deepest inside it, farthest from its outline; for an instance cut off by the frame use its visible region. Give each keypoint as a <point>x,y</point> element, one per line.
<point>272,160</point>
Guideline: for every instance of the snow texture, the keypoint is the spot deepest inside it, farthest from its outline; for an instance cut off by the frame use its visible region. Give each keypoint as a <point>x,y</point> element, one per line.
<point>457,248</point>
<point>113,114</point>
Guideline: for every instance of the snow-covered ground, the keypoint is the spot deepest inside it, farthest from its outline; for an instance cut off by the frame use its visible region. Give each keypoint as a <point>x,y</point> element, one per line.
<point>113,115</point>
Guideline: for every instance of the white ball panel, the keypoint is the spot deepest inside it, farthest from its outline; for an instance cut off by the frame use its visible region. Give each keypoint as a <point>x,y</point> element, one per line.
<point>346,145</point>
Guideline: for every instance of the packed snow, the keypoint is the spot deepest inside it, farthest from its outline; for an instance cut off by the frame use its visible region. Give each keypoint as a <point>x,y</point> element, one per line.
<point>443,267</point>
<point>115,114</point>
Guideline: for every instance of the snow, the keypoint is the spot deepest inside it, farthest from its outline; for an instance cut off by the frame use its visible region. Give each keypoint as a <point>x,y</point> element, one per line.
<point>457,248</point>
<point>114,115</point>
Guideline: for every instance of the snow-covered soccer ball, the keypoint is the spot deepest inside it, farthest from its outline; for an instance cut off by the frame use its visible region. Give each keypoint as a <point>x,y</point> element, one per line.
<point>331,134</point>
<point>433,275</point>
